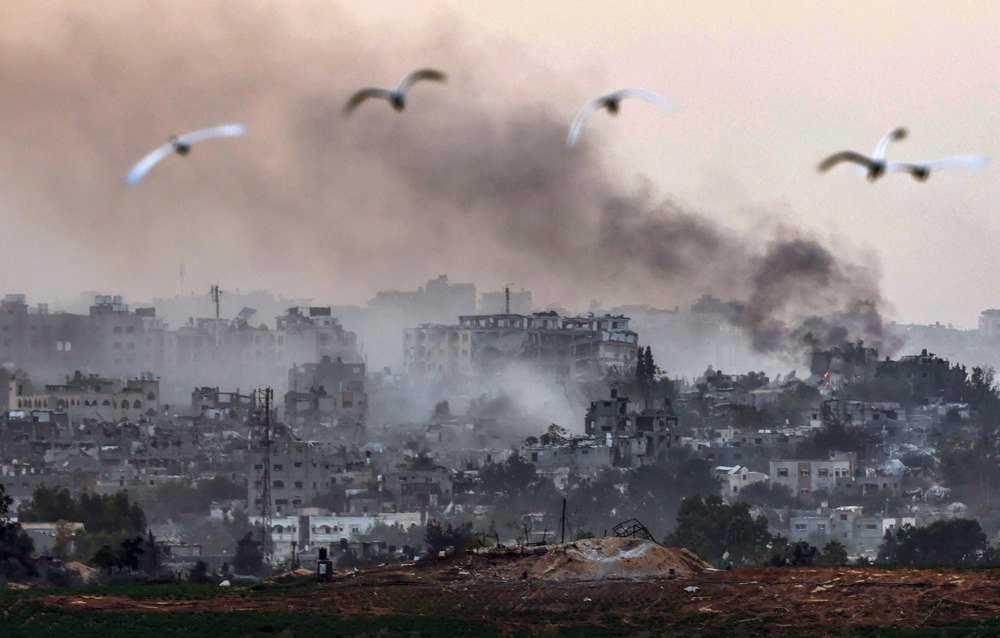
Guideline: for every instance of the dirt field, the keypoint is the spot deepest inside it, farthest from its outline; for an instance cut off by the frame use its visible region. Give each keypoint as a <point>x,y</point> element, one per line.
<point>498,591</point>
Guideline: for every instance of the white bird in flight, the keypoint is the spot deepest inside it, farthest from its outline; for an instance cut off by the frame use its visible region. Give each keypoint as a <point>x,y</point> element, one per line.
<point>612,102</point>
<point>396,96</point>
<point>180,144</point>
<point>922,170</point>
<point>875,166</point>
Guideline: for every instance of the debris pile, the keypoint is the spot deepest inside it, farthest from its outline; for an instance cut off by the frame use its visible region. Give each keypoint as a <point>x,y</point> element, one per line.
<point>592,559</point>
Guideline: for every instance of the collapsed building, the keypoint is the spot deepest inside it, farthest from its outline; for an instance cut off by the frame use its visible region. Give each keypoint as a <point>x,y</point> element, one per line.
<point>636,435</point>
<point>211,403</point>
<point>329,391</point>
<point>87,396</point>
<point>618,434</point>
<point>848,360</point>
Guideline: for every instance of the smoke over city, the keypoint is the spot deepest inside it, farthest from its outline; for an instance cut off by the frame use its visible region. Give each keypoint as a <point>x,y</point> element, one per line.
<point>341,207</point>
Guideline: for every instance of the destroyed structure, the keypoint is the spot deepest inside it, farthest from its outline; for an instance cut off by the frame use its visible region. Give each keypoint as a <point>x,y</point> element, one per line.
<point>336,476</point>
<point>581,348</point>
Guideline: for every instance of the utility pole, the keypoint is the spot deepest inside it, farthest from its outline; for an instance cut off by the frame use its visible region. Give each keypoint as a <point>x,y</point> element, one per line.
<point>562,523</point>
<point>262,399</point>
<point>216,293</point>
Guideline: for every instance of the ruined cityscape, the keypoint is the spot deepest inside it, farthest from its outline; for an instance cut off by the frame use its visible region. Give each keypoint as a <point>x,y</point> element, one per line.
<point>452,359</point>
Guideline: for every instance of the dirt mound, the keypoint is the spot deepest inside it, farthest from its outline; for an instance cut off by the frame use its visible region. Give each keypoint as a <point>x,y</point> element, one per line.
<point>292,577</point>
<point>86,575</point>
<point>600,558</point>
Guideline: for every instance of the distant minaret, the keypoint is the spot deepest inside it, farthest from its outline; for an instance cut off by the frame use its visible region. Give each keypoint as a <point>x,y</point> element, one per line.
<point>506,296</point>
<point>182,280</point>
<point>216,293</point>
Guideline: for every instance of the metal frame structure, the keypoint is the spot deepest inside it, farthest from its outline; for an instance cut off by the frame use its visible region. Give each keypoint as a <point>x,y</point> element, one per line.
<point>261,427</point>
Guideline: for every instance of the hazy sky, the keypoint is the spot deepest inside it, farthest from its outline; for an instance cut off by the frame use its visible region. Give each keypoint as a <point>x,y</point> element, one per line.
<point>764,91</point>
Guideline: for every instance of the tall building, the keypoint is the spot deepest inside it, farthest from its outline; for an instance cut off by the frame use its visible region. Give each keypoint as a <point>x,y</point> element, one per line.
<point>438,301</point>
<point>87,396</point>
<point>117,341</point>
<point>584,347</point>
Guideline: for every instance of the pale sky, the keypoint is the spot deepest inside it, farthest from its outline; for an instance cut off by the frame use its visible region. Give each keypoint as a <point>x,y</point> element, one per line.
<point>764,91</point>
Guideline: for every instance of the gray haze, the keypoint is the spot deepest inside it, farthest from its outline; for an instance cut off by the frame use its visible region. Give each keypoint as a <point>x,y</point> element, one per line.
<point>312,203</point>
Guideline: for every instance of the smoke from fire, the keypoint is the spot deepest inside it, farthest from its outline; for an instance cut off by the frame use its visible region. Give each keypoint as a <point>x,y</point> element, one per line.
<point>313,203</point>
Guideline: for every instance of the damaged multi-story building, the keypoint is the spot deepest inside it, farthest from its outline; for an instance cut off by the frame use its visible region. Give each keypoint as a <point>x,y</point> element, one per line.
<point>332,391</point>
<point>583,348</point>
<point>210,402</point>
<point>87,396</point>
<point>637,435</point>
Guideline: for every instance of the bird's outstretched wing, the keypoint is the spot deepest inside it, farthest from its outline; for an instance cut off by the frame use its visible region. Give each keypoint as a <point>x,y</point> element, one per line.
<point>363,95</point>
<point>147,163</point>
<point>226,130</point>
<point>612,96</point>
<point>845,156</point>
<point>421,74</point>
<point>577,126</point>
<point>961,161</point>
<point>894,135</point>
<point>644,94</point>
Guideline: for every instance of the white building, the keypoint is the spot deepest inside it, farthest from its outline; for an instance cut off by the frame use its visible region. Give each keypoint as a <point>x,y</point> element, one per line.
<point>805,477</point>
<point>323,530</point>
<point>732,480</point>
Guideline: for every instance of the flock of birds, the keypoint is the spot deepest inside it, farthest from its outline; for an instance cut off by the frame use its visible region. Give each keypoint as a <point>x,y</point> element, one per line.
<point>874,166</point>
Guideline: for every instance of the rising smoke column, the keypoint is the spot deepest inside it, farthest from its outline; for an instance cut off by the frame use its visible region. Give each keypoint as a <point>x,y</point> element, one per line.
<point>312,203</point>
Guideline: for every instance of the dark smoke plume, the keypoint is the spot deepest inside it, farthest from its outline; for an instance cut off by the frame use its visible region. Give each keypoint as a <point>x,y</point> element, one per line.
<point>312,203</point>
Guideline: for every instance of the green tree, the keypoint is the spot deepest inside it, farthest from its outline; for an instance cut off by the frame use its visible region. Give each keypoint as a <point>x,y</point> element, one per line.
<point>657,490</point>
<point>440,537</point>
<point>958,542</point>
<point>131,550</point>
<point>721,534</point>
<point>594,504</point>
<point>49,504</point>
<point>798,554</point>
<point>833,436</point>
<point>198,574</point>
<point>642,372</point>
<point>513,476</point>
<point>248,559</point>
<point>833,554</point>
<point>106,558</point>
<point>765,494</point>
<point>16,547</point>
<point>745,417</point>
<point>108,519</point>
<point>63,541</point>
